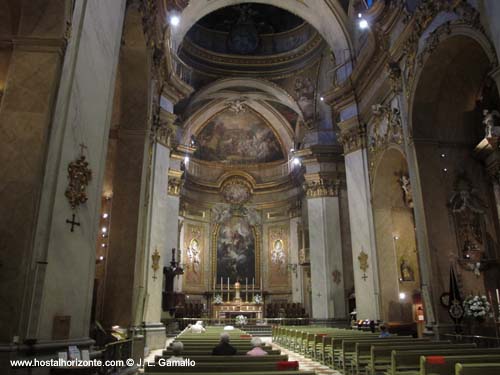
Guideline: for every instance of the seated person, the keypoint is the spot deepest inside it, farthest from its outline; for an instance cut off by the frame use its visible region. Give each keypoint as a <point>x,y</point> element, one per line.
<point>257,347</point>
<point>177,348</point>
<point>224,347</point>
<point>198,327</point>
<point>384,332</point>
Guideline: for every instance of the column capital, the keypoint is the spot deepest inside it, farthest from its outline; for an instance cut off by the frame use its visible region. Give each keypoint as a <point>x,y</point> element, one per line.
<point>174,182</point>
<point>320,185</point>
<point>164,129</point>
<point>352,135</point>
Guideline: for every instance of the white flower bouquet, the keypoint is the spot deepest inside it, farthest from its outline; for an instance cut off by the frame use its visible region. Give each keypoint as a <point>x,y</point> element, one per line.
<point>257,299</point>
<point>218,299</point>
<point>241,320</point>
<point>477,307</point>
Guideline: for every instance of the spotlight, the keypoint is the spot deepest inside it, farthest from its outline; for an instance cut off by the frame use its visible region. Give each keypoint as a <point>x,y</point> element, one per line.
<point>103,245</point>
<point>105,215</point>
<point>101,257</point>
<point>104,229</point>
<point>321,98</point>
<point>296,161</point>
<point>396,237</point>
<point>186,159</point>
<point>175,20</point>
<point>445,169</point>
<point>402,296</point>
<point>363,24</point>
<point>443,155</point>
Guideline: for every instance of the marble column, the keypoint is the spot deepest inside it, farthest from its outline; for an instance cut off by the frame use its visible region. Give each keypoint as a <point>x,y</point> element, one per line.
<point>157,246</point>
<point>297,293</point>
<point>364,254</point>
<point>322,185</point>
<point>61,268</point>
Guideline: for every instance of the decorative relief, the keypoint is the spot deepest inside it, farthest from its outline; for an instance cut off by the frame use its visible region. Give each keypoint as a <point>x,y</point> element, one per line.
<point>352,140</point>
<point>404,181</point>
<point>304,257</point>
<point>363,263</point>
<point>236,190</point>
<point>278,256</point>
<point>491,123</point>
<point>317,186</point>
<point>304,93</point>
<point>422,18</point>
<point>469,215</point>
<point>79,176</point>
<point>395,76</point>
<point>194,255</point>
<point>155,266</point>
<point>164,129</point>
<point>386,127</point>
<point>174,182</point>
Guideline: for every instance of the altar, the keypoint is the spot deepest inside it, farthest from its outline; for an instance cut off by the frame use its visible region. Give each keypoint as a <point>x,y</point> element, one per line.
<point>232,309</point>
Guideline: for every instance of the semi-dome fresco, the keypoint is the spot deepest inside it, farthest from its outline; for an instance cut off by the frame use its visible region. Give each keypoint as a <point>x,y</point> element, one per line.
<point>238,137</point>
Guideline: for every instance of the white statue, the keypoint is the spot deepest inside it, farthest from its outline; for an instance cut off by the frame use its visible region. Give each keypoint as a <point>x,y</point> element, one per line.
<point>491,121</point>
<point>407,191</point>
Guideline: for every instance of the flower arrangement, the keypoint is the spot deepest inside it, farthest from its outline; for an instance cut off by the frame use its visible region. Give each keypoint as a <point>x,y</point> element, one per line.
<point>477,307</point>
<point>257,299</point>
<point>241,320</point>
<point>218,299</point>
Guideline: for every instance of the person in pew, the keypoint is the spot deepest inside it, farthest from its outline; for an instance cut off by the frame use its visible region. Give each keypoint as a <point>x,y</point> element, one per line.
<point>257,348</point>
<point>383,332</point>
<point>177,348</point>
<point>224,347</point>
<point>198,327</point>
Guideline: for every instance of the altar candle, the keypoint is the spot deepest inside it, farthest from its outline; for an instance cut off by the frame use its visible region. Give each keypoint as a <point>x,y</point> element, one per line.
<point>228,287</point>
<point>246,289</point>
<point>498,297</point>
<point>221,286</point>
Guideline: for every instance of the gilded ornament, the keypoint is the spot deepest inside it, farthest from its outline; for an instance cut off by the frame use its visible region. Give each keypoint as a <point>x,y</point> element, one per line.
<point>155,257</point>
<point>79,176</point>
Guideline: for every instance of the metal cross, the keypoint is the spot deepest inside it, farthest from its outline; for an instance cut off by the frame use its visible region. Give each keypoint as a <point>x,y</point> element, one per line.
<point>82,147</point>
<point>364,277</point>
<point>73,223</point>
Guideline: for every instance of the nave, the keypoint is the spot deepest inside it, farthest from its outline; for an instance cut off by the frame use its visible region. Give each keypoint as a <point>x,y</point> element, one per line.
<point>326,350</point>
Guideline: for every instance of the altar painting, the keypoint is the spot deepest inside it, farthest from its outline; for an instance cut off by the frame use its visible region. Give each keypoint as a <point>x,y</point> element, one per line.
<point>193,257</point>
<point>235,244</point>
<point>278,253</point>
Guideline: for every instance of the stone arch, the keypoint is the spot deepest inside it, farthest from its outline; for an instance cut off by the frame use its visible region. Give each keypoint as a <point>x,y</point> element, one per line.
<point>446,125</point>
<point>317,13</point>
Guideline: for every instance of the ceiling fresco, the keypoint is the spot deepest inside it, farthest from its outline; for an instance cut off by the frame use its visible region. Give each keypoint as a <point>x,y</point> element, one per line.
<point>239,137</point>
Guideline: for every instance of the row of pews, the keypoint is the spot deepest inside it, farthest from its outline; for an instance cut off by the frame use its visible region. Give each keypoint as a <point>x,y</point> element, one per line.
<point>354,352</point>
<point>198,348</point>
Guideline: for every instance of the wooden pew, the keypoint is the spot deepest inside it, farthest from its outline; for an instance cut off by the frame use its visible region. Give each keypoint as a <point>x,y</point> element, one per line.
<point>408,362</point>
<point>477,369</point>
<point>380,355</point>
<point>444,365</point>
<point>233,358</point>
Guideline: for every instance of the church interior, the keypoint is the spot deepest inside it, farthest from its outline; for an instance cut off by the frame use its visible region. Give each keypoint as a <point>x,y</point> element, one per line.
<point>298,170</point>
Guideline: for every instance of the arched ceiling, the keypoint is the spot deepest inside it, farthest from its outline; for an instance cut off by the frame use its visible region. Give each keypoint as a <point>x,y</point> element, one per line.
<point>319,13</point>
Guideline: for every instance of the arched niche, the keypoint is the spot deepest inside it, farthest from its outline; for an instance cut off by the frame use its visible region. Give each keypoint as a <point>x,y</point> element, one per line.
<point>446,124</point>
<point>395,236</point>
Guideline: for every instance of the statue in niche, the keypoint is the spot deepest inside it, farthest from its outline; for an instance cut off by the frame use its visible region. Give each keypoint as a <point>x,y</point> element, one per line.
<point>193,254</point>
<point>278,256</point>
<point>407,191</point>
<point>468,213</point>
<point>407,273</point>
<point>491,123</point>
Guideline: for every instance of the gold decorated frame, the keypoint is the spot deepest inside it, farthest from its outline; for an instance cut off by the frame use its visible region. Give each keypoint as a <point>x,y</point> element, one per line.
<point>256,236</point>
<point>285,242</point>
<point>198,287</point>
